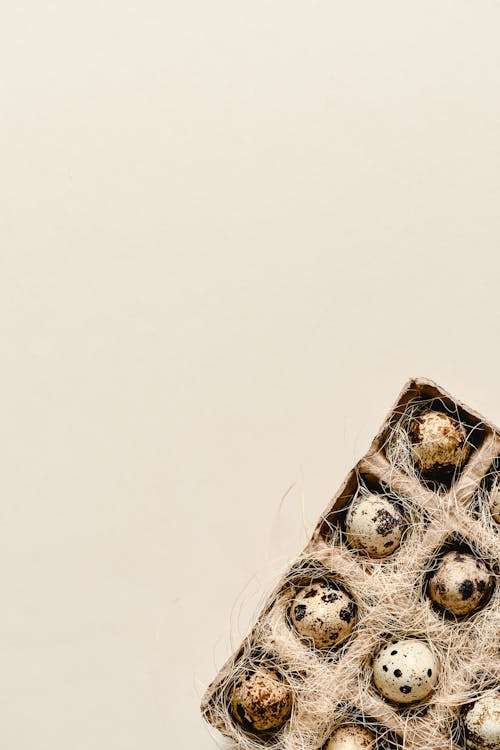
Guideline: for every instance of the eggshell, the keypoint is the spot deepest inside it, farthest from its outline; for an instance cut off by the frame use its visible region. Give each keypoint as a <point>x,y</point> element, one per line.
<point>261,701</point>
<point>495,502</point>
<point>351,737</point>
<point>374,525</point>
<point>323,613</point>
<point>405,671</point>
<point>461,583</point>
<point>482,724</point>
<point>438,442</point>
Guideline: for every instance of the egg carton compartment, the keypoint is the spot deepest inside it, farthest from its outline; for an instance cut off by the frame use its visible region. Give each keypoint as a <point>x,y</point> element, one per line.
<point>476,716</point>
<point>433,438</point>
<point>372,521</point>
<point>418,701</point>
<point>314,593</point>
<point>460,578</point>
<point>253,662</point>
<point>355,729</point>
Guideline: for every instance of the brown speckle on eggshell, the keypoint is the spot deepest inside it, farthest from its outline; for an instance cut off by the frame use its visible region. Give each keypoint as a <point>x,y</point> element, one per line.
<point>260,701</point>
<point>323,613</point>
<point>461,583</point>
<point>351,737</point>
<point>438,443</point>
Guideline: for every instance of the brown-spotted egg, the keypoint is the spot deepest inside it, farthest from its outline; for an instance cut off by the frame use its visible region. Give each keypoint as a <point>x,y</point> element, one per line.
<point>261,701</point>
<point>351,737</point>
<point>482,723</point>
<point>438,443</point>
<point>461,583</point>
<point>405,671</point>
<point>323,613</point>
<point>373,525</point>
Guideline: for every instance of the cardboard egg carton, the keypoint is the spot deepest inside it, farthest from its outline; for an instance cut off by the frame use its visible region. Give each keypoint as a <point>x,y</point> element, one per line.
<point>446,513</point>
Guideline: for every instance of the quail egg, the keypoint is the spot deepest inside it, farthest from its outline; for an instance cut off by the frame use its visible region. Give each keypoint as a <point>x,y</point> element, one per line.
<point>323,613</point>
<point>374,525</point>
<point>461,583</point>
<point>405,671</point>
<point>482,724</point>
<point>438,443</point>
<point>261,701</point>
<point>351,737</point>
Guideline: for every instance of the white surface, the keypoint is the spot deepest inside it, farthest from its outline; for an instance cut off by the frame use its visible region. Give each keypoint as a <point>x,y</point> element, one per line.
<point>230,231</point>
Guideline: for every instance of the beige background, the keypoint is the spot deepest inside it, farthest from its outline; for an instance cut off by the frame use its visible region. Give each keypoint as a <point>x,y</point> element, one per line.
<point>230,231</point>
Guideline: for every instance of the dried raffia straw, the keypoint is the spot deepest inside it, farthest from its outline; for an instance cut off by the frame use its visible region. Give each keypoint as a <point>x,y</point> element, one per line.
<point>334,687</point>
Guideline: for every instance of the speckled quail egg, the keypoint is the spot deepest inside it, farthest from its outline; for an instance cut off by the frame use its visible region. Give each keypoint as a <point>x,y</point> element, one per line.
<point>438,443</point>
<point>461,583</point>
<point>323,613</point>
<point>261,701</point>
<point>482,723</point>
<point>495,502</point>
<point>374,525</point>
<point>351,737</point>
<point>405,671</point>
